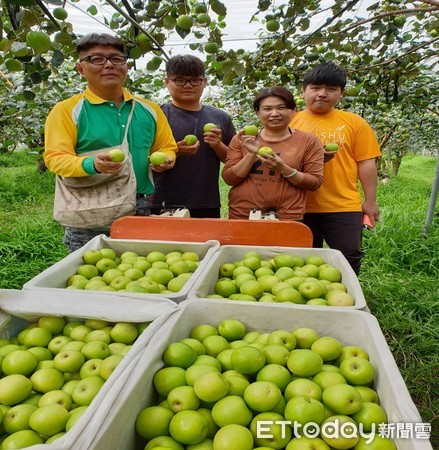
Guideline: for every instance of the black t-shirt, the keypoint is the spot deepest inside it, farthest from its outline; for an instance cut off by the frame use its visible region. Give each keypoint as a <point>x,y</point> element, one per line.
<point>193,182</point>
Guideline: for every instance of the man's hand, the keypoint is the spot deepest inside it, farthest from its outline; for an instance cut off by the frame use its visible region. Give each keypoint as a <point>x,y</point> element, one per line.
<point>372,210</point>
<point>168,164</point>
<point>213,137</point>
<point>328,156</point>
<point>184,149</point>
<point>103,164</point>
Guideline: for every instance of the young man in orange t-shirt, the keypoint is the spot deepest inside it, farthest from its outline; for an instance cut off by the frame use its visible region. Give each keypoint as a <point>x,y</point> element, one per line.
<point>335,211</point>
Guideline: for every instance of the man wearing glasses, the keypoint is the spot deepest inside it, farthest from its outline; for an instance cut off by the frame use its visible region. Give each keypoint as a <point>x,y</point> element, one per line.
<point>97,119</point>
<point>193,182</point>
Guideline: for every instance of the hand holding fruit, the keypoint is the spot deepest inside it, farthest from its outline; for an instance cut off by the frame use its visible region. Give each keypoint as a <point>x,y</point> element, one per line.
<point>159,162</point>
<point>330,150</point>
<point>212,134</point>
<point>105,163</point>
<point>189,145</point>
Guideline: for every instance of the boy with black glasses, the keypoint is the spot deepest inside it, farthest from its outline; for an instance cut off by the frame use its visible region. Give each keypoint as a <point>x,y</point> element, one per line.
<point>193,182</point>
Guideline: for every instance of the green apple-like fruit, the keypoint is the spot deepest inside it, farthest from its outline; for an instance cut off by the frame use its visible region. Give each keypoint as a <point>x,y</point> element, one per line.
<point>280,435</point>
<point>188,427</point>
<point>68,361</point>
<point>303,410</point>
<point>370,415</point>
<point>282,337</point>
<point>264,151</point>
<point>124,332</point>
<point>304,362</point>
<point>232,329</point>
<point>262,396</point>
<point>92,256</point>
<point>247,360</point>
<point>153,421</point>
<point>183,398</point>
<point>327,347</point>
<point>17,417</point>
<point>190,139</point>
<point>303,387</point>
<point>86,390</point>
<point>116,155</point>
<point>307,443</point>
<point>231,409</point>
<point>158,158</point>
<point>357,371</point>
<point>168,378</point>
<point>209,127</point>
<point>14,389</point>
<point>49,420</point>
<point>250,130</point>
<point>179,354</point>
<point>46,379</point>
<point>22,439</point>
<point>342,399</point>
<point>211,387</point>
<point>341,432</point>
<point>20,361</point>
<point>233,437</point>
<point>327,378</point>
<point>331,147</point>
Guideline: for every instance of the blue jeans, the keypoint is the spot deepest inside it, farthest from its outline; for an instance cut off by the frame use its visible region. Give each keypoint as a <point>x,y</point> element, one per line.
<point>75,238</point>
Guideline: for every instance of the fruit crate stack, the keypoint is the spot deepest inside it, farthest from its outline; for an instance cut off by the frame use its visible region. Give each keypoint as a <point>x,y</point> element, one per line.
<point>305,273</point>
<point>100,264</point>
<point>186,393</point>
<point>62,355</point>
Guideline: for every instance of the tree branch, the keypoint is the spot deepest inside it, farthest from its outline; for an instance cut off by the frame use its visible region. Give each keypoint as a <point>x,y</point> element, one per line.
<point>434,111</point>
<point>431,2</point>
<point>388,14</point>
<point>136,25</point>
<point>384,63</point>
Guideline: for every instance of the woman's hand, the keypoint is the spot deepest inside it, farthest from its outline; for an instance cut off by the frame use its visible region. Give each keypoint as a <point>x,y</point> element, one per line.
<point>251,144</point>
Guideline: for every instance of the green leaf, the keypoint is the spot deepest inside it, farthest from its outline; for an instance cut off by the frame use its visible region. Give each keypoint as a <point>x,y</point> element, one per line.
<point>239,69</point>
<point>92,10</point>
<point>57,58</point>
<point>29,95</point>
<point>218,8</point>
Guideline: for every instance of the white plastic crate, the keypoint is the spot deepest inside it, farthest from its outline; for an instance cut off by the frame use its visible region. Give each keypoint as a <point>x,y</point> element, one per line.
<point>205,284</point>
<point>113,426</point>
<point>56,276</point>
<point>18,308</point>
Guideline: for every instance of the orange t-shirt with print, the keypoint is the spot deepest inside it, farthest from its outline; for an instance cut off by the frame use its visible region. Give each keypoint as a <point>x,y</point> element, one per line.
<point>339,191</point>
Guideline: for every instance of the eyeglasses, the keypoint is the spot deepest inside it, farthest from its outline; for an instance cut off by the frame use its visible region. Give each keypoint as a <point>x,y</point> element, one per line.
<point>100,60</point>
<point>183,81</point>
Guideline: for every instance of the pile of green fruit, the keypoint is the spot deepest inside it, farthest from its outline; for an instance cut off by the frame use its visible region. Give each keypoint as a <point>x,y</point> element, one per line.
<point>155,272</point>
<point>282,279</point>
<point>52,370</point>
<point>226,388</point>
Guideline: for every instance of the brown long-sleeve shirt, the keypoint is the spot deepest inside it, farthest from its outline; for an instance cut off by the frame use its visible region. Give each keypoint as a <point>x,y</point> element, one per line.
<point>267,190</point>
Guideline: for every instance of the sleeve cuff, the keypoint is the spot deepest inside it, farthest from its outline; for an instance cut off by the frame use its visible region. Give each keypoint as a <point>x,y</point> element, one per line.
<point>88,166</point>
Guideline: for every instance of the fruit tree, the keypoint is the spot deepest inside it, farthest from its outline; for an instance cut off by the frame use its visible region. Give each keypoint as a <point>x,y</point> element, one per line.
<point>388,47</point>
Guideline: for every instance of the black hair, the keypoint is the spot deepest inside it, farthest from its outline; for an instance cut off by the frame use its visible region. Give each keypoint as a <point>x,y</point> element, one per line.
<point>186,66</point>
<point>327,73</point>
<point>94,39</point>
<point>276,91</point>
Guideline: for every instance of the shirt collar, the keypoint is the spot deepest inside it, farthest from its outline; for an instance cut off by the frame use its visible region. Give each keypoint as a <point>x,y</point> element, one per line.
<point>93,98</point>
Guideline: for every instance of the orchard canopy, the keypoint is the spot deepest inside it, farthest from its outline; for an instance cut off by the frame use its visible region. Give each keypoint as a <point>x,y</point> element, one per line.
<point>389,49</point>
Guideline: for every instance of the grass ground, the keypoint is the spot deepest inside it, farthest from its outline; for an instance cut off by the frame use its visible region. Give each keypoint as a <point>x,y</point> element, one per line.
<point>399,275</point>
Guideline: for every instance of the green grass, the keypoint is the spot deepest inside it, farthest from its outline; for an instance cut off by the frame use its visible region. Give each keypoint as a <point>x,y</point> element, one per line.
<point>399,276</point>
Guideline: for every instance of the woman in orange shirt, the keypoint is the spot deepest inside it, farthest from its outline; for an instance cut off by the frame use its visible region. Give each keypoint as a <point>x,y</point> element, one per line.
<point>277,182</point>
